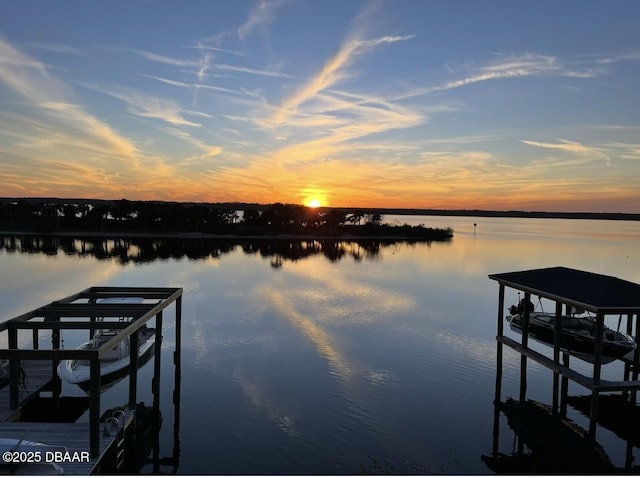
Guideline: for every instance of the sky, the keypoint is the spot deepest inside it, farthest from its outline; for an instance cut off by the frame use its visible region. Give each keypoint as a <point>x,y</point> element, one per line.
<point>527,105</point>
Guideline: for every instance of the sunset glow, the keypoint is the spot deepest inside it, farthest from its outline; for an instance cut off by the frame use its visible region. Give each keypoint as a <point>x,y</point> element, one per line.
<point>361,104</point>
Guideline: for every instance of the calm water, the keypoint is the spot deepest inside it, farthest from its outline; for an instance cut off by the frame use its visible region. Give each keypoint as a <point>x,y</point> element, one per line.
<point>337,359</point>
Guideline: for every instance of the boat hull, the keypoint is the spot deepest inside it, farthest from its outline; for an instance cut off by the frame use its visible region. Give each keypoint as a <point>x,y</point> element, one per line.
<point>579,341</point>
<point>111,372</point>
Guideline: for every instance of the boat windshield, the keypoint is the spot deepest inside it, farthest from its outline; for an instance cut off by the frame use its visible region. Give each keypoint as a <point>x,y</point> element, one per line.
<point>98,341</point>
<point>583,323</point>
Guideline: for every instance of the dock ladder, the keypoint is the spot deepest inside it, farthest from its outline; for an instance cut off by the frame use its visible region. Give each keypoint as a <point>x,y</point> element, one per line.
<point>115,425</point>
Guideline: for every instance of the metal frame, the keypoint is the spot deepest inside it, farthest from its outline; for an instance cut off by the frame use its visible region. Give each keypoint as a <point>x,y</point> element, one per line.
<point>84,305</point>
<point>606,300</point>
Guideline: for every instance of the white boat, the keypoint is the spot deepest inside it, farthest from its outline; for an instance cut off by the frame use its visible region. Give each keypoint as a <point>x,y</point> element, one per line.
<point>23,451</point>
<point>114,365</point>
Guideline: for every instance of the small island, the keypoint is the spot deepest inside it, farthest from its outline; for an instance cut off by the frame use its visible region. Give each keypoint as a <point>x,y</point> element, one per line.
<point>174,219</point>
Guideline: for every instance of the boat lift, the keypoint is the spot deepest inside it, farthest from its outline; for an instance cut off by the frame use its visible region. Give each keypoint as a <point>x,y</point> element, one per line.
<point>91,309</point>
<point>596,293</point>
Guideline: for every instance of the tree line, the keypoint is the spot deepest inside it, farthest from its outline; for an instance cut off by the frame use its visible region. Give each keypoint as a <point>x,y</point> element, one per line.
<point>169,217</point>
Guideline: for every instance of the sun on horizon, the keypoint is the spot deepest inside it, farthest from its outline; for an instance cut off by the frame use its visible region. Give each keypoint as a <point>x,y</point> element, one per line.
<point>315,202</point>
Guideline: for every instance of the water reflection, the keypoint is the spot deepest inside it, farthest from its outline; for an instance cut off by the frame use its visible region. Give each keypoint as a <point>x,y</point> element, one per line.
<point>544,443</point>
<point>383,355</point>
<point>147,249</point>
<point>615,413</point>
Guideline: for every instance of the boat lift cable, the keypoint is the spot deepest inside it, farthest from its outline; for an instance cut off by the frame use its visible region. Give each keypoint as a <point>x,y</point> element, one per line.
<point>540,304</point>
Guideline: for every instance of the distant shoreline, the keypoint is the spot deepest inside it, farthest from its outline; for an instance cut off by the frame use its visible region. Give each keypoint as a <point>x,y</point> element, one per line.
<point>615,216</point>
<point>203,235</point>
<point>612,216</point>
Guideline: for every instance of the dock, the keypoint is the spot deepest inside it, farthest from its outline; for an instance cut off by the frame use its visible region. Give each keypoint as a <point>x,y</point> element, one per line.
<point>571,289</point>
<point>32,407</point>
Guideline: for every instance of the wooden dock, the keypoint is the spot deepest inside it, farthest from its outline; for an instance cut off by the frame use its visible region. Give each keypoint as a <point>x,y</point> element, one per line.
<point>73,436</point>
<point>31,402</point>
<point>38,375</point>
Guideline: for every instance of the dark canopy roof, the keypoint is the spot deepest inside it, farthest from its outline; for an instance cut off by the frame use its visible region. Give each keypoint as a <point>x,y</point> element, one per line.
<point>594,292</point>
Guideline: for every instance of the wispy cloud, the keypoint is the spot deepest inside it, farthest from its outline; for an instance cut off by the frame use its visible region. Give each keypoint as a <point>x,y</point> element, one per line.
<point>570,147</point>
<point>27,76</point>
<point>202,46</point>
<point>52,133</point>
<point>182,84</point>
<point>48,94</point>
<point>333,71</point>
<point>167,60</point>
<point>262,14</point>
<point>204,65</point>
<point>252,71</point>
<point>208,151</point>
<point>628,56</point>
<point>526,65</point>
<point>55,48</point>
<point>147,106</point>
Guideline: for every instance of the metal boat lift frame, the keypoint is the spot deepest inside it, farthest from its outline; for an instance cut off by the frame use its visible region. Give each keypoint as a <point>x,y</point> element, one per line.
<point>599,294</point>
<point>81,311</point>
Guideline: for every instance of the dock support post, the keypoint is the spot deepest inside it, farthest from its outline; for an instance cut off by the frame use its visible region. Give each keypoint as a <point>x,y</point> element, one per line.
<point>94,407</point>
<point>176,353</point>
<point>636,360</point>
<point>597,365</point>
<point>557,338</point>
<point>177,385</point>
<point>564,387</point>
<point>525,344</point>
<point>498,393</point>
<point>627,366</point>
<point>14,371</point>
<point>500,333</point>
<point>155,383</point>
<point>133,370</point>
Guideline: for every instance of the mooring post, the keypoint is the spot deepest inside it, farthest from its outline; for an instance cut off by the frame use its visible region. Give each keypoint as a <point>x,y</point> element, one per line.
<point>94,406</point>
<point>133,369</point>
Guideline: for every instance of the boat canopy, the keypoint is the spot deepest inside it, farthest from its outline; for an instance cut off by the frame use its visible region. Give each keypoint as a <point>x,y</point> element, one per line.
<point>596,293</point>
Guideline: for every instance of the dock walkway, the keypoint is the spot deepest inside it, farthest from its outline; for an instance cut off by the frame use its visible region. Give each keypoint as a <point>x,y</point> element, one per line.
<point>38,375</point>
<point>31,376</point>
<point>73,436</point>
